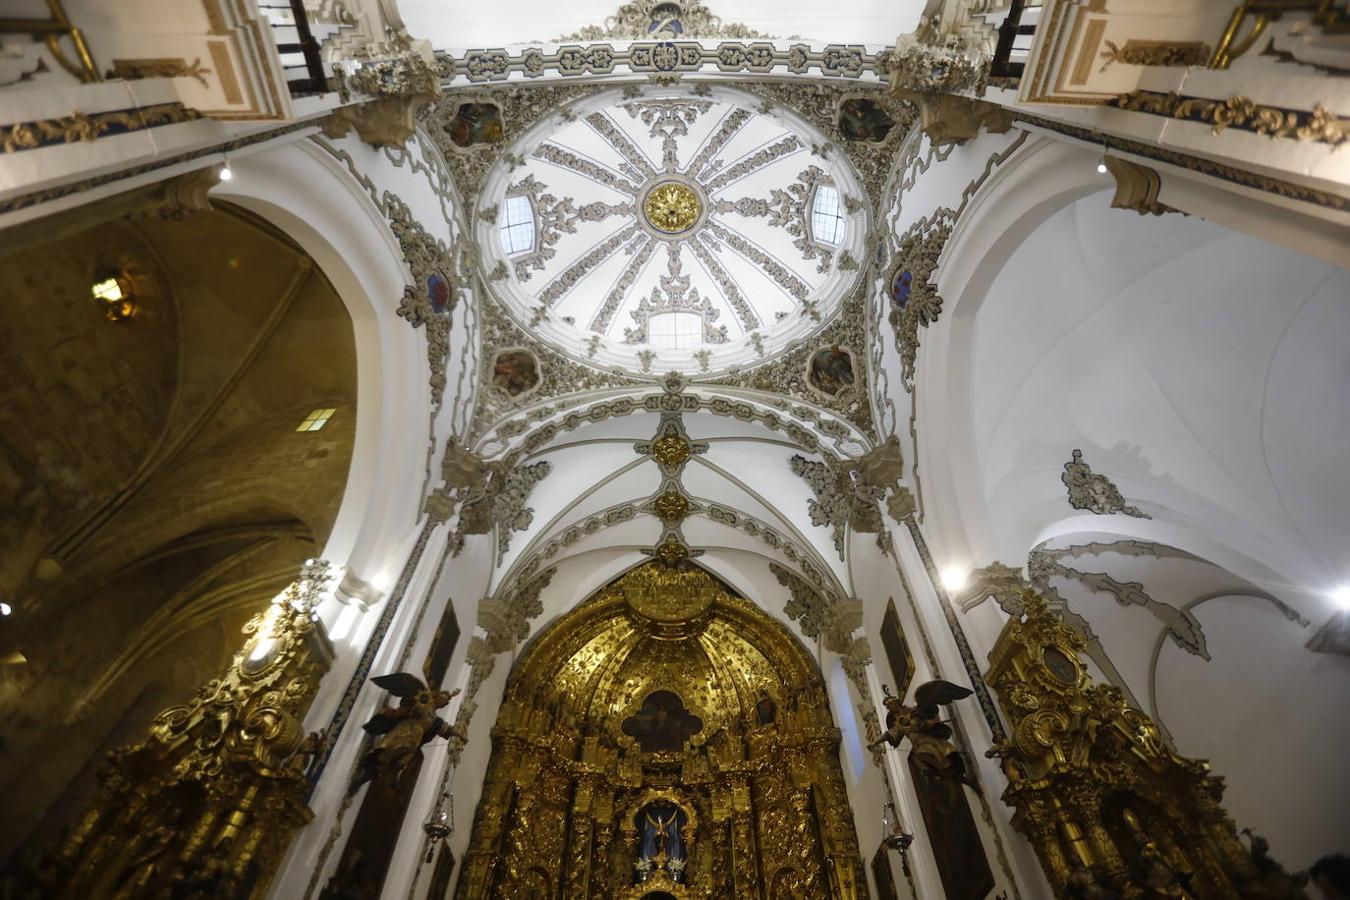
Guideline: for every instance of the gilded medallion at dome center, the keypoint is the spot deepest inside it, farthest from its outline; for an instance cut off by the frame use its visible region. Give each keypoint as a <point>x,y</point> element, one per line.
<point>672,207</point>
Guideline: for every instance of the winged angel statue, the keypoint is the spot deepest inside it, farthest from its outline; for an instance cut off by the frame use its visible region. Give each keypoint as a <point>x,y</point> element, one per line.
<point>931,737</point>
<point>400,731</point>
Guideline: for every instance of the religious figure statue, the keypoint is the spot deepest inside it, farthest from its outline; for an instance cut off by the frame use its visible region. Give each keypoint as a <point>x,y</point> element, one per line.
<point>402,730</point>
<point>662,845</point>
<point>931,737</point>
<point>1161,878</point>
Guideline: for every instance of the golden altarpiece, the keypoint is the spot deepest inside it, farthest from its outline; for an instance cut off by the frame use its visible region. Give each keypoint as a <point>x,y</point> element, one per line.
<point>1110,809</point>
<point>207,805</point>
<point>665,739</point>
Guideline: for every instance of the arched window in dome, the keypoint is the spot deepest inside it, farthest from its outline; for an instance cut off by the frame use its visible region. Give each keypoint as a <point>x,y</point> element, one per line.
<point>517,225</point>
<point>675,330</point>
<point>827,219</point>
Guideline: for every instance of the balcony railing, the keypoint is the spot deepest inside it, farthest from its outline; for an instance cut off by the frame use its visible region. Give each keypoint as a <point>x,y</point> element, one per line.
<point>301,62</point>
<point>1014,39</point>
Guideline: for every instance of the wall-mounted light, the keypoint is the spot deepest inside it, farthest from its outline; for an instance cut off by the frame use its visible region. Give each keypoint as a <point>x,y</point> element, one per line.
<point>113,292</point>
<point>954,577</point>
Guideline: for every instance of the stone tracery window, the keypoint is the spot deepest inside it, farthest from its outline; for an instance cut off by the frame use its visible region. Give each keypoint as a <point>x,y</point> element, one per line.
<point>827,219</point>
<point>517,225</point>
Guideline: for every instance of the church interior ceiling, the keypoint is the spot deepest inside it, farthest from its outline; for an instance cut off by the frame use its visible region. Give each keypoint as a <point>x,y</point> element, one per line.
<point>576,164</point>
<point>155,488</point>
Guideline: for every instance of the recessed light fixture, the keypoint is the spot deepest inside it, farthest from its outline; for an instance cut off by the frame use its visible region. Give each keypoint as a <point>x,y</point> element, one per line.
<point>317,419</point>
<point>954,577</point>
<point>1342,596</point>
<point>5,609</point>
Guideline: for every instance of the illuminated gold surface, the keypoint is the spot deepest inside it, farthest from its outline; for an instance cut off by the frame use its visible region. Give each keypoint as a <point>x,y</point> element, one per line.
<point>767,807</point>
<point>1105,803</point>
<point>672,207</point>
<point>213,795</point>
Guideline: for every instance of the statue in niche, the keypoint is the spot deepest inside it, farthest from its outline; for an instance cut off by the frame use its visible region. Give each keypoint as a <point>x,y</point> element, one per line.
<point>515,372</point>
<point>831,371</point>
<point>931,737</point>
<point>662,724</point>
<point>660,841</point>
<point>863,119</point>
<point>475,123</point>
<point>1161,878</point>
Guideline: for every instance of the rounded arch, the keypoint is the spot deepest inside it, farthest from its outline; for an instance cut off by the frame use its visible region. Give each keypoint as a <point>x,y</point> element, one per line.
<point>1160,347</point>
<point>304,192</point>
<point>1044,176</point>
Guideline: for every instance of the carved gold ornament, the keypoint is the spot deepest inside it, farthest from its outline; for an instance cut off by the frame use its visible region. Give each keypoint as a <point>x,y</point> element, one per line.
<point>1242,114</point>
<point>1083,762</point>
<point>670,449</point>
<point>664,688</point>
<point>672,207</point>
<point>672,506</point>
<point>238,747</point>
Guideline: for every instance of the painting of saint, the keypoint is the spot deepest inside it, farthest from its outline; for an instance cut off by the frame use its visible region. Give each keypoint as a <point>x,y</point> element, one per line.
<point>766,711</point>
<point>665,21</point>
<point>831,371</point>
<point>902,283</point>
<point>662,724</point>
<point>515,372</point>
<point>861,119</point>
<point>438,292</point>
<point>475,123</point>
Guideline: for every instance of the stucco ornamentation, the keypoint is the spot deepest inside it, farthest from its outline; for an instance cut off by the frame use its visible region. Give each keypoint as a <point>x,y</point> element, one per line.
<point>1095,492</point>
<point>844,498</point>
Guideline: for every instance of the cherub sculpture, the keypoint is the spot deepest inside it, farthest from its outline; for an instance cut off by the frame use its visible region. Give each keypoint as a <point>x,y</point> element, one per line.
<point>931,737</point>
<point>402,730</point>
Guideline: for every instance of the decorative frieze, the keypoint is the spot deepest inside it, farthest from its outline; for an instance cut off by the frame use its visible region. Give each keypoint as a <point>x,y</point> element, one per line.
<point>1242,114</point>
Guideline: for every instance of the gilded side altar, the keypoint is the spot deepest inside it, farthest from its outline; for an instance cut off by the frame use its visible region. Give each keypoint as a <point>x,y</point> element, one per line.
<point>207,804</point>
<point>1109,808</point>
<point>664,738</point>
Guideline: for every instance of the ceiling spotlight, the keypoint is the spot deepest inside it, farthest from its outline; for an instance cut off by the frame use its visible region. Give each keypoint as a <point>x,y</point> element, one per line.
<point>1101,167</point>
<point>1341,595</point>
<point>954,578</point>
<point>225,173</point>
<point>5,609</point>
